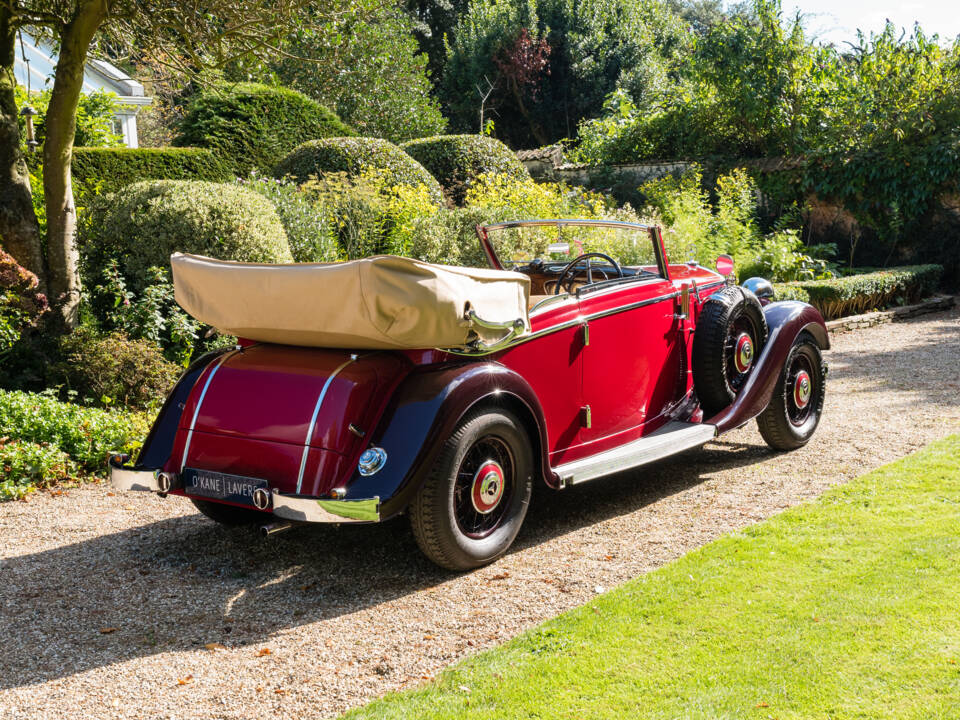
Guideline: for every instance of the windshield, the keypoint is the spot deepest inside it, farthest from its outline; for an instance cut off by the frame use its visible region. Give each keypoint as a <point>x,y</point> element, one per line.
<point>629,245</point>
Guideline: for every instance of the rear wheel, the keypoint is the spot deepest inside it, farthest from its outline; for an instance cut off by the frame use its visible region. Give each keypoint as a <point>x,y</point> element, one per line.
<point>229,514</point>
<point>471,506</point>
<point>794,411</point>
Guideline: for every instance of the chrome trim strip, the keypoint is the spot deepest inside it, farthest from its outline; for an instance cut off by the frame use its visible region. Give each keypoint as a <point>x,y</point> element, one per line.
<point>632,306</point>
<point>672,438</point>
<point>196,412</point>
<point>709,285</point>
<point>323,510</point>
<point>547,301</point>
<point>313,420</point>
<point>572,222</point>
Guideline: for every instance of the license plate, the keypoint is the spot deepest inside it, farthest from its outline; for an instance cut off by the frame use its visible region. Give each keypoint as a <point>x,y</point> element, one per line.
<point>221,486</point>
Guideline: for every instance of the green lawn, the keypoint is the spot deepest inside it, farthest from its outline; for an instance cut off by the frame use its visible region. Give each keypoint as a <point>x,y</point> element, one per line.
<point>848,607</point>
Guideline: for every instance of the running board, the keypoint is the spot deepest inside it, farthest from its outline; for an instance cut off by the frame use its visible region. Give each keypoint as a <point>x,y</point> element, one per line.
<point>672,438</point>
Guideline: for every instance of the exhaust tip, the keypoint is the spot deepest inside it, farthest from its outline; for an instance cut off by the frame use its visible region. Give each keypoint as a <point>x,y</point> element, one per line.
<point>274,528</point>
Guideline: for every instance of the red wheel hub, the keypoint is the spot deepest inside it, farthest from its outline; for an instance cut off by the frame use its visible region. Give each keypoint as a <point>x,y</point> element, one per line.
<point>743,355</point>
<point>486,490</point>
<point>802,389</point>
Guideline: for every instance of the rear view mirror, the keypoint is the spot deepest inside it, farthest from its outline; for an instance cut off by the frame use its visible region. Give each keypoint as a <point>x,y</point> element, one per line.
<point>725,265</point>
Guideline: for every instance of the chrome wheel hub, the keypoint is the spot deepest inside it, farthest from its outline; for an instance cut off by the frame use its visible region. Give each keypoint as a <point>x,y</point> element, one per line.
<point>743,354</point>
<point>486,490</point>
<point>802,389</point>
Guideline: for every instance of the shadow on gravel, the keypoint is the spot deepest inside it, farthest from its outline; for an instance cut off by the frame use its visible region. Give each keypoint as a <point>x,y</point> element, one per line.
<point>188,578</point>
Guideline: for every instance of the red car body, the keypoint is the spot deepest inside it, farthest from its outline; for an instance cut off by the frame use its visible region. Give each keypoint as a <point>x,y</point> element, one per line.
<point>602,382</point>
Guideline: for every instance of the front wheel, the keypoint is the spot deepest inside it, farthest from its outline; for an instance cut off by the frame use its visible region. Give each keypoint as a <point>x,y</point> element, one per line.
<point>794,411</point>
<point>471,506</point>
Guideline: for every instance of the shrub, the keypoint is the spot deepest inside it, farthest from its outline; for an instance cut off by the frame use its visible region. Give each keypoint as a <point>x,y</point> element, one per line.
<point>855,294</point>
<point>142,224</point>
<point>356,156</point>
<point>105,170</point>
<point>88,435</point>
<point>21,306</point>
<point>457,161</point>
<point>312,233</point>
<point>253,125</point>
<point>26,466</point>
<point>114,369</point>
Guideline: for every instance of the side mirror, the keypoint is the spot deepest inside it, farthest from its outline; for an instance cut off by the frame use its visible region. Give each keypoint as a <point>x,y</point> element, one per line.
<point>725,265</point>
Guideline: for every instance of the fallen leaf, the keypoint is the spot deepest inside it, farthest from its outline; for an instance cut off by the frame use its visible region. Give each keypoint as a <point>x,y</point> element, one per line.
<point>185,680</point>
<point>608,557</point>
<point>111,494</point>
<point>215,646</point>
<point>762,704</point>
<point>264,651</point>
<point>280,691</point>
<point>426,677</point>
<point>428,637</point>
<point>129,507</point>
<point>501,576</point>
<point>107,630</point>
<point>259,688</point>
<point>329,642</point>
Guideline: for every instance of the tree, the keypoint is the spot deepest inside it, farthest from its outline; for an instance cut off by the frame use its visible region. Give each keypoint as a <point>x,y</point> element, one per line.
<point>186,36</point>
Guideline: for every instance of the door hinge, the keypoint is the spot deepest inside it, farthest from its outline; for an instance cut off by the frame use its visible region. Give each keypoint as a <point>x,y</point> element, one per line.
<point>586,417</point>
<point>586,333</point>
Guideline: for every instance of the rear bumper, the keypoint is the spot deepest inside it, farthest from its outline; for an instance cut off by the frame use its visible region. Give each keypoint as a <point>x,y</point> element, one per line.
<point>296,508</point>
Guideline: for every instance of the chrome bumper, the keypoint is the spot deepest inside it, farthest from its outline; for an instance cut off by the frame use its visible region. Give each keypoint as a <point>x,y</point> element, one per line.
<point>300,508</point>
<point>128,478</point>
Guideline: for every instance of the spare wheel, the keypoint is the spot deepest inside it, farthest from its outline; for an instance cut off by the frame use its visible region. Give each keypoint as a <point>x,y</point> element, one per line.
<point>731,332</point>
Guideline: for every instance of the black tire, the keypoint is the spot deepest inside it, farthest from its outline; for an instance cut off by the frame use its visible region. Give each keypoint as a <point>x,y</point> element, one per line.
<point>449,526</point>
<point>785,425</point>
<point>230,515</point>
<point>727,316</point>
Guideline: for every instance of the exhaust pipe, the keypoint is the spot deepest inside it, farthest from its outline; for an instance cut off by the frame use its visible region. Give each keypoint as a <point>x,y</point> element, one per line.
<point>274,528</point>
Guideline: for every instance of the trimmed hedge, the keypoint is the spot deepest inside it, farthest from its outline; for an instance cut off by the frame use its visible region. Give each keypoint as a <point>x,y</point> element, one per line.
<point>856,294</point>
<point>144,223</point>
<point>251,125</point>
<point>456,161</point>
<point>106,170</point>
<point>355,156</point>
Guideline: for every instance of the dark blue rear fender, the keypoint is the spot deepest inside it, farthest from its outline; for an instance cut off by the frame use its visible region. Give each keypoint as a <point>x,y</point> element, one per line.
<point>786,320</point>
<point>159,443</point>
<point>425,409</point>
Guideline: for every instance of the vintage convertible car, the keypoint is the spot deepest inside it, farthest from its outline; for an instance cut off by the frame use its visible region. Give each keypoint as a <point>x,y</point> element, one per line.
<point>363,390</point>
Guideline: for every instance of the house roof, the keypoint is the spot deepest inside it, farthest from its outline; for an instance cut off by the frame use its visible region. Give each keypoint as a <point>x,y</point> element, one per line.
<point>97,75</point>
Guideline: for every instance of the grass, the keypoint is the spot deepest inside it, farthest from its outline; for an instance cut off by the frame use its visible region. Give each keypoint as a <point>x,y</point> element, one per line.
<point>847,607</point>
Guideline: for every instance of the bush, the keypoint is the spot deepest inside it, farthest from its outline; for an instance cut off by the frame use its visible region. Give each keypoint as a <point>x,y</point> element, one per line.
<point>98,171</point>
<point>114,369</point>
<point>457,161</point>
<point>253,125</point>
<point>21,306</point>
<point>142,224</point>
<point>312,233</point>
<point>356,156</point>
<point>855,294</point>
<point>24,467</point>
<point>88,435</point>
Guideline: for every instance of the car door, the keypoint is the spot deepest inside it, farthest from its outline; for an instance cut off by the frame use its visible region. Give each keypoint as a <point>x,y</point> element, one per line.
<point>632,365</point>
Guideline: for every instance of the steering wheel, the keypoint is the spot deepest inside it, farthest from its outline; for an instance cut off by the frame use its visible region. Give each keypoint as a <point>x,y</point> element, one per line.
<point>572,266</point>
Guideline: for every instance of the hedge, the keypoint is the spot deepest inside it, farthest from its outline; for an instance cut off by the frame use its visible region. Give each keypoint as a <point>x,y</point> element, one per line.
<point>252,126</point>
<point>355,156</point>
<point>856,294</point>
<point>142,224</point>
<point>458,160</point>
<point>106,170</point>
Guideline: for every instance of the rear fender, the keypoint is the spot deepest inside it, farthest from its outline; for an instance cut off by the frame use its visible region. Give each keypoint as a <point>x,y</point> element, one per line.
<point>159,443</point>
<point>425,410</point>
<point>786,320</point>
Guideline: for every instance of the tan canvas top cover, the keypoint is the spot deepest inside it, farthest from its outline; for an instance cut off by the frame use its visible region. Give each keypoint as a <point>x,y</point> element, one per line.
<point>374,303</point>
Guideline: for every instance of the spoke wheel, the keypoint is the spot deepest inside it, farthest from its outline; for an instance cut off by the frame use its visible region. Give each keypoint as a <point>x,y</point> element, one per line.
<point>485,483</point>
<point>794,411</point>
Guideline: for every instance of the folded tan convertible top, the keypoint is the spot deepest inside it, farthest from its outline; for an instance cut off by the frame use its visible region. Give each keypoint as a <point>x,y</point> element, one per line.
<point>382,302</point>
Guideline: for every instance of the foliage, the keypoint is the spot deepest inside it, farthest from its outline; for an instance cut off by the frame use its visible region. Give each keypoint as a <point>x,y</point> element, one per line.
<point>785,258</point>
<point>88,435</point>
<point>113,369</point>
<point>593,48</point>
<point>366,65</point>
<point>252,126</point>
<point>26,466</point>
<point>105,170</point>
<point>21,306</point>
<point>855,294</point>
<point>95,112</point>
<point>144,223</point>
<point>847,603</point>
<point>456,161</point>
<point>355,156</point>
<point>311,232</point>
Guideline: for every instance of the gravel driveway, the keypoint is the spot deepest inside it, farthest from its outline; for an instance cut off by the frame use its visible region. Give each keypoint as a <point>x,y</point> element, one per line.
<point>136,607</point>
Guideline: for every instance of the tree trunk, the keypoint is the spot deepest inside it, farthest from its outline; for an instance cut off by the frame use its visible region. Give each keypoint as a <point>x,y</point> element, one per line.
<point>19,231</point>
<point>60,126</point>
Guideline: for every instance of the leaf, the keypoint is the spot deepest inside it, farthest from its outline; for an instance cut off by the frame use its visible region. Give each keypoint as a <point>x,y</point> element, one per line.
<point>280,691</point>
<point>108,630</point>
<point>214,646</point>
<point>185,680</point>
<point>265,651</point>
<point>762,704</point>
<point>501,576</point>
